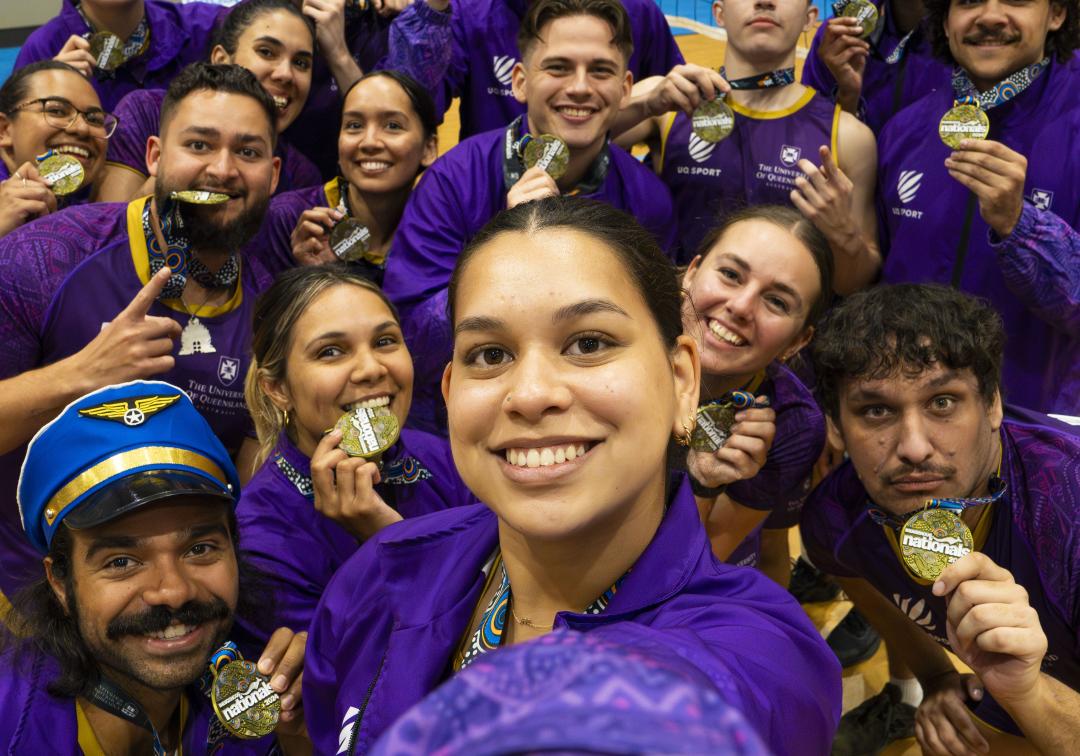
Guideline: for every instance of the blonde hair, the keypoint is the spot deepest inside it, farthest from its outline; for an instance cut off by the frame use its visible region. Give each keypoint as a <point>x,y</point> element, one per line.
<point>276,313</point>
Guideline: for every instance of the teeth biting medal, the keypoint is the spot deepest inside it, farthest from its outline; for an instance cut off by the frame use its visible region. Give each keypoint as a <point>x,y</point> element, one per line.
<point>367,431</point>
<point>200,197</point>
<point>63,173</point>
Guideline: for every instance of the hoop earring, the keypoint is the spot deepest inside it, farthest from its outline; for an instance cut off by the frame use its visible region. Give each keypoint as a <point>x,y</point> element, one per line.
<point>683,439</point>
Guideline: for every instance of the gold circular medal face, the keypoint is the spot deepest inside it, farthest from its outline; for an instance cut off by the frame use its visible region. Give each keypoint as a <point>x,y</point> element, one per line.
<point>199,197</point>
<point>63,173</point>
<point>550,153</point>
<point>108,50</point>
<point>349,240</point>
<point>367,431</point>
<point>963,122</point>
<point>244,701</point>
<point>713,427</point>
<point>865,13</point>
<point>713,120</point>
<point>932,540</point>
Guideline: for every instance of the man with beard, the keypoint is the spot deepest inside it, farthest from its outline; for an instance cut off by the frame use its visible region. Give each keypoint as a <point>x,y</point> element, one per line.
<point>939,472</point>
<point>130,498</point>
<point>100,294</point>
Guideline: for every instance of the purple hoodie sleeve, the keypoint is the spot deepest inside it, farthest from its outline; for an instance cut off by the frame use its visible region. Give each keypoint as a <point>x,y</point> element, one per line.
<point>660,53</point>
<point>140,115</point>
<point>815,73</point>
<point>1041,263</point>
<point>420,44</point>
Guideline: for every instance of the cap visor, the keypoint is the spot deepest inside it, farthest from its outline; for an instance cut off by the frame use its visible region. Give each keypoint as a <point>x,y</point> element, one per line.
<point>125,495</point>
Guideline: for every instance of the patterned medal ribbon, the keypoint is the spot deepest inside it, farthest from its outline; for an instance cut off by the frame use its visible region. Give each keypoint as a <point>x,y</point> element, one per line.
<point>956,505</point>
<point>400,472</point>
<point>513,163</point>
<point>489,635</point>
<point>177,255</point>
<point>1000,93</point>
<point>779,78</point>
<point>108,696</point>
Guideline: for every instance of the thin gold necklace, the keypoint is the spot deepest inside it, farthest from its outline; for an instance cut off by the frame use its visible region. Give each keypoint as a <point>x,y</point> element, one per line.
<point>528,622</point>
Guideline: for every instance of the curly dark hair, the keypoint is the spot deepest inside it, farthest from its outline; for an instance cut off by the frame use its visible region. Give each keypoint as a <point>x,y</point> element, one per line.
<point>906,329</point>
<point>38,621</point>
<point>1060,44</point>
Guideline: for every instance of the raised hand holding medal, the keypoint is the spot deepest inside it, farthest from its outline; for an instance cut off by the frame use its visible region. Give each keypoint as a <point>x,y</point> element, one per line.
<point>964,120</point>
<point>63,173</point>
<point>863,11</point>
<point>713,120</point>
<point>729,440</point>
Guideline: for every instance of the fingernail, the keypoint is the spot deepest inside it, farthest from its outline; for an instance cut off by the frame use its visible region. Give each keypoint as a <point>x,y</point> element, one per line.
<point>939,588</point>
<point>279,683</point>
<point>287,701</point>
<point>977,694</point>
<point>266,666</point>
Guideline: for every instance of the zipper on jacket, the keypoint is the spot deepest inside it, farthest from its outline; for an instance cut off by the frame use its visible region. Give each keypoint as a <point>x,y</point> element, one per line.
<point>962,246</point>
<point>363,707</point>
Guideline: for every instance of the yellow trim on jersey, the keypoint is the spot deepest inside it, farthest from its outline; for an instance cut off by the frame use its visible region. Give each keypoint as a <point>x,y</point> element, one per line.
<point>665,130</point>
<point>331,190</point>
<point>772,115</point>
<point>136,171</point>
<point>140,256</point>
<point>835,136</point>
<point>91,746</point>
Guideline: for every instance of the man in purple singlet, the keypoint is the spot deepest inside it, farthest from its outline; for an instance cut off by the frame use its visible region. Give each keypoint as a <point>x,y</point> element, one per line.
<point>105,293</point>
<point>909,376</point>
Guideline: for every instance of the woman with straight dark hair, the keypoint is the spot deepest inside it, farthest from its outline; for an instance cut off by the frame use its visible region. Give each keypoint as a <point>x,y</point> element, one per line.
<point>326,342</point>
<point>570,381</point>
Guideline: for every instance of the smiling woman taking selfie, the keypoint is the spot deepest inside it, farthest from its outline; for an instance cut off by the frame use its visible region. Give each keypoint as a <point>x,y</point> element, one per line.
<point>570,379</point>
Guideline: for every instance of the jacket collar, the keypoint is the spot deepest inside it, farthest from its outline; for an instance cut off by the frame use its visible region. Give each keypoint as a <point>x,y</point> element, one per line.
<point>454,551</point>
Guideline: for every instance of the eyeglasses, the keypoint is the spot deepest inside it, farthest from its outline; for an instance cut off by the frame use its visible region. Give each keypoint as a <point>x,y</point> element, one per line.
<point>61,114</point>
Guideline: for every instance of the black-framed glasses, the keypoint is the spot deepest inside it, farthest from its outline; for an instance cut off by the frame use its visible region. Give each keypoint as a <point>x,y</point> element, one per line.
<point>61,114</point>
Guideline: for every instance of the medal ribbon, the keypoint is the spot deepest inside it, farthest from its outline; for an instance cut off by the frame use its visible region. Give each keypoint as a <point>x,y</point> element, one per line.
<point>957,505</point>
<point>513,165</point>
<point>1000,93</point>
<point>778,78</point>
<point>177,255</point>
<point>135,45</point>
<point>109,697</point>
<point>227,653</point>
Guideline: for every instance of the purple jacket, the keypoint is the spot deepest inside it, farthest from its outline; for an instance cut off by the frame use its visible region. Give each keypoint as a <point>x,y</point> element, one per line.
<point>140,118</point>
<point>783,482</point>
<point>887,86</point>
<point>1034,533</point>
<point>485,50</point>
<point>36,722</point>
<point>416,42</point>
<point>179,35</point>
<point>299,550</point>
<point>455,198</point>
<point>576,692</point>
<point>931,230</point>
<point>388,624</point>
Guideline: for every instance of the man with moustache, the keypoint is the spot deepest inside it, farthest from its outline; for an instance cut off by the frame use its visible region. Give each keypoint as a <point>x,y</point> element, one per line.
<point>909,376</point>
<point>573,78</point>
<point>997,217</point>
<point>100,294</point>
<point>130,498</point>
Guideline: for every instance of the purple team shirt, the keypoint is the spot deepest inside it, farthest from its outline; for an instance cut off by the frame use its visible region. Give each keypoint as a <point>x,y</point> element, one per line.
<point>140,118</point>
<point>485,50</point>
<point>783,482</point>
<point>1034,533</point>
<point>391,619</point>
<point>299,550</point>
<point>888,85</point>
<point>456,197</point>
<point>756,164</point>
<point>64,276</point>
<point>931,230</point>
<point>179,35</point>
<point>416,42</point>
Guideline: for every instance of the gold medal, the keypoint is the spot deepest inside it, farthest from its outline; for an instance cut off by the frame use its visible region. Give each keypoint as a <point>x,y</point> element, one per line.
<point>63,173</point>
<point>865,13</point>
<point>244,701</point>
<point>963,122</point>
<point>367,432</point>
<point>199,197</point>
<point>933,539</point>
<point>350,240</point>
<point>108,50</point>
<point>550,153</point>
<point>713,427</point>
<point>713,120</point>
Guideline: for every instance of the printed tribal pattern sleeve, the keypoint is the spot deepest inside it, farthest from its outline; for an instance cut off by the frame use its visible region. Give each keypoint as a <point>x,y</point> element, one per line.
<point>420,44</point>
<point>1040,261</point>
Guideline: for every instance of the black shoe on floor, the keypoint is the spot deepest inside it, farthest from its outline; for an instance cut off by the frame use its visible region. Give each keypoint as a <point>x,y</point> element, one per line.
<point>853,640</point>
<point>876,722</point>
<point>809,586</point>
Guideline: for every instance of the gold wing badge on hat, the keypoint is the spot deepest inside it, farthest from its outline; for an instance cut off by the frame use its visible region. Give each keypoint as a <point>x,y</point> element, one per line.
<point>131,412</point>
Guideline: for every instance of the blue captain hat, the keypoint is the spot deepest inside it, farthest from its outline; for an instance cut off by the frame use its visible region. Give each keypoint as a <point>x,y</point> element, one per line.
<point>116,450</point>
